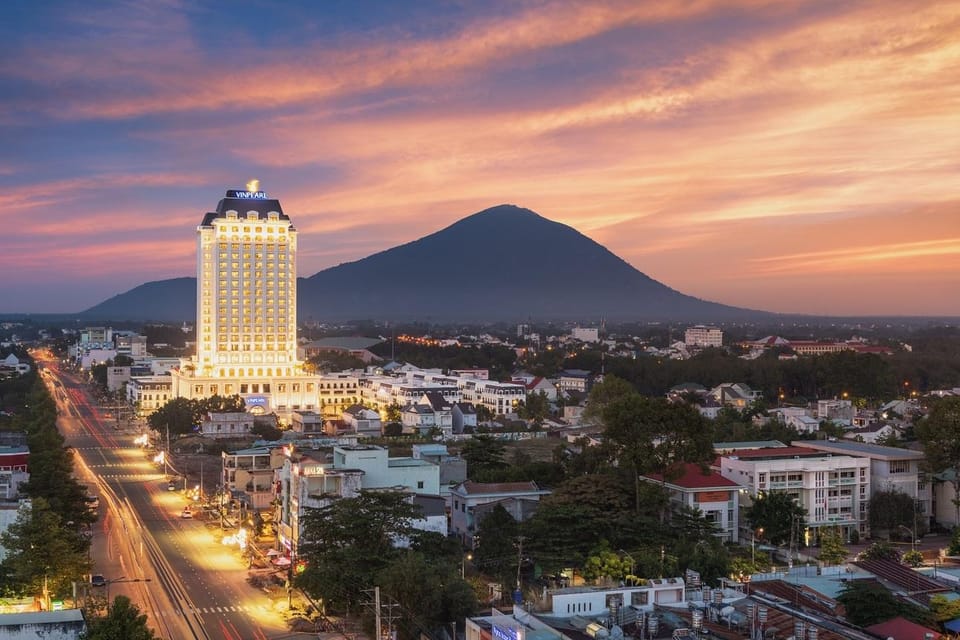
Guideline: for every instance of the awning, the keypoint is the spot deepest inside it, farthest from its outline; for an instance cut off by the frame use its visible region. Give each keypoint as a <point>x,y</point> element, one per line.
<point>953,625</point>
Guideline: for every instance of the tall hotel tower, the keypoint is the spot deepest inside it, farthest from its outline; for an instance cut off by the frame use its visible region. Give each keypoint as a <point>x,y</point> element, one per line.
<point>247,309</point>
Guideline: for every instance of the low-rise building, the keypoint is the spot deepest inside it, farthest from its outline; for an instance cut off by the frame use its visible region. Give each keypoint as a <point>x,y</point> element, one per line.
<point>465,497</point>
<point>306,423</point>
<point>149,393</point>
<point>891,469</point>
<point>362,421</point>
<point>226,425</point>
<point>309,480</point>
<point>716,497</point>
<point>250,472</point>
<point>834,488</point>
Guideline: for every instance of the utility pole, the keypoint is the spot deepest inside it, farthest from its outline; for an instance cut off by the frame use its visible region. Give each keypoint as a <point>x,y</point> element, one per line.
<point>519,558</point>
<point>376,605</point>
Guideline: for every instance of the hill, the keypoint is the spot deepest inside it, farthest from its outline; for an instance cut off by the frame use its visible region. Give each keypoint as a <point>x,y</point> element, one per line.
<point>504,263</point>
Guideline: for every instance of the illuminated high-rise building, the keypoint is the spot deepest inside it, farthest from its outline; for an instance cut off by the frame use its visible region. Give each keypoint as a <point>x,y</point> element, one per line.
<point>247,308</point>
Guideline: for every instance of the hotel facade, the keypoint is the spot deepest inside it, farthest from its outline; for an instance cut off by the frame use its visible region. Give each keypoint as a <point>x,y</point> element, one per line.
<point>246,309</point>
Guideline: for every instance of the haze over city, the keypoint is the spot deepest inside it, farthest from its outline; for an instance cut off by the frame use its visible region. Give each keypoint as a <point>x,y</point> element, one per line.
<point>797,158</point>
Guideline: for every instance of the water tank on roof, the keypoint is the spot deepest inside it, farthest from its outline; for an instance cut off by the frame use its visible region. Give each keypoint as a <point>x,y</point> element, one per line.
<point>597,631</point>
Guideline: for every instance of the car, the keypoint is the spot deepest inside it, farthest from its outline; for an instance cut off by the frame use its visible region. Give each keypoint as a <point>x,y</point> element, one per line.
<point>187,513</point>
<point>171,486</point>
<point>98,580</point>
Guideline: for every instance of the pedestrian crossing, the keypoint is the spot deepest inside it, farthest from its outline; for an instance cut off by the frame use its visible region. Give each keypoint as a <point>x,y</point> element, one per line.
<point>211,610</point>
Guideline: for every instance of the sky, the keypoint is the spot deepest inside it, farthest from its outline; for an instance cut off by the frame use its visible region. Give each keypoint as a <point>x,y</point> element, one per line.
<point>798,157</point>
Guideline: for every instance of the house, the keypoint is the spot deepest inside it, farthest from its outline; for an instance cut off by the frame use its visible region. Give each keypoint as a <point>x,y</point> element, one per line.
<point>871,433</point>
<point>464,417</point>
<point>465,497</point>
<point>364,422</point>
<point>65,624</point>
<point>226,425</point>
<point>11,366</point>
<point>538,384</point>
<point>717,497</point>
<point>250,473</point>
<point>453,469</point>
<point>736,395</point>
<point>575,380</point>
<point>306,423</point>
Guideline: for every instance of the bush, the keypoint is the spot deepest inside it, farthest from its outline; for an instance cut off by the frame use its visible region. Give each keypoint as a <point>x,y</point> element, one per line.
<point>880,551</point>
<point>854,537</point>
<point>913,558</point>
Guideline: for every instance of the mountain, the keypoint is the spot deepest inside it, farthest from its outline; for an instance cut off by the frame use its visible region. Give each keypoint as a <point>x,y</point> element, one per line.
<point>504,263</point>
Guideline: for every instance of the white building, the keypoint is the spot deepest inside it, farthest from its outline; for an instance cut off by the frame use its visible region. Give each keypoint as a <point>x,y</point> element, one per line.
<point>226,425</point>
<point>586,334</point>
<point>833,488</point>
<point>364,422</point>
<point>246,309</point>
<point>501,398</point>
<point>891,469</point>
<point>703,336</point>
<point>251,472</point>
<point>465,497</point>
<point>308,480</point>
<point>338,391</point>
<point>717,497</point>
<point>148,393</point>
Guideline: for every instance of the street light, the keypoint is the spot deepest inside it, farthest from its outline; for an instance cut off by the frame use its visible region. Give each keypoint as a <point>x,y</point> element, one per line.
<point>463,560</point>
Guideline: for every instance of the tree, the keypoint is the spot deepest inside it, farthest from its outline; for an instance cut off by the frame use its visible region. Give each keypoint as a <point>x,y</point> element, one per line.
<point>536,408</point>
<point>123,621</point>
<point>610,389</point>
<point>880,551</point>
<point>832,551</point>
<point>176,416</point>
<point>495,553</point>
<point>483,453</point>
<point>890,510</point>
<point>775,513</point>
<point>351,540</point>
<point>430,594</point>
<point>41,549</point>
<point>653,435</point>
<point>603,562</point>
<point>393,429</point>
<point>868,602</point>
<point>939,433</point>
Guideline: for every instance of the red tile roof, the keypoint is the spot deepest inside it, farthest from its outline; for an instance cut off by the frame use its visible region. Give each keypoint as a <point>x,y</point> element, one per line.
<point>902,629</point>
<point>693,477</point>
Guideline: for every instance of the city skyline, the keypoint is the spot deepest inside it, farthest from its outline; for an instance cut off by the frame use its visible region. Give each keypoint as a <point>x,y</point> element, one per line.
<point>798,159</point>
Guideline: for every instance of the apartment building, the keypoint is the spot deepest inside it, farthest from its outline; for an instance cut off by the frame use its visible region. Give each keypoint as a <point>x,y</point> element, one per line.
<point>703,336</point>
<point>891,469</point>
<point>717,497</point>
<point>834,488</point>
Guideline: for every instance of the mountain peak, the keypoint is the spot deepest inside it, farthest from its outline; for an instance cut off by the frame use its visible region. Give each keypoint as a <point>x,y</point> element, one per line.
<point>502,263</point>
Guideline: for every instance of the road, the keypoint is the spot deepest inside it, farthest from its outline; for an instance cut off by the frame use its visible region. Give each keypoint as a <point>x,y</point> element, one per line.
<point>174,569</point>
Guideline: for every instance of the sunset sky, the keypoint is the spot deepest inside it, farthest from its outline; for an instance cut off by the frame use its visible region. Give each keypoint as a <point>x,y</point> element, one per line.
<point>787,156</point>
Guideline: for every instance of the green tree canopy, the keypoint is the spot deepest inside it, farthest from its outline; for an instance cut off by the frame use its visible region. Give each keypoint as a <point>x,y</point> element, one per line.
<point>495,553</point>
<point>832,550</point>
<point>348,542</point>
<point>891,509</point>
<point>653,435</point>
<point>868,602</point>
<point>123,621</point>
<point>776,513</point>
<point>483,453</point>
<point>39,546</point>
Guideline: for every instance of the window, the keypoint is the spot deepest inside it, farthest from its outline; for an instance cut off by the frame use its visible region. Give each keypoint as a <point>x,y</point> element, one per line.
<point>899,466</point>
<point>419,484</point>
